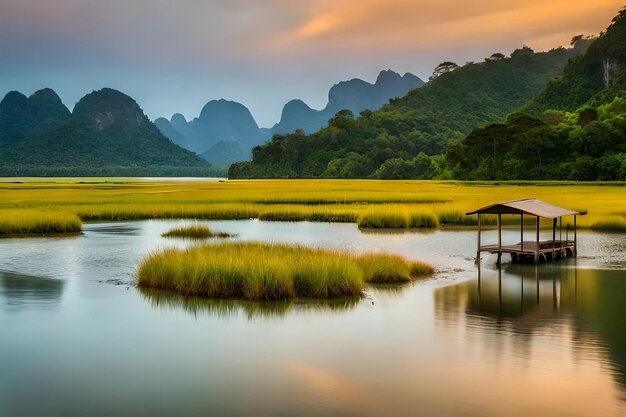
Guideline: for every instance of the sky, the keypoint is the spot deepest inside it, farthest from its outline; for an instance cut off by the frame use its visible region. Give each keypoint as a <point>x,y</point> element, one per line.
<point>175,55</point>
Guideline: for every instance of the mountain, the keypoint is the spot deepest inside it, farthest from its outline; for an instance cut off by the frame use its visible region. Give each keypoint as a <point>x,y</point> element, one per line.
<point>425,120</point>
<point>106,134</point>
<point>575,129</point>
<point>232,124</point>
<point>355,95</point>
<point>223,120</point>
<point>297,114</point>
<point>21,116</point>
<point>224,153</point>
<point>224,130</point>
<point>169,131</point>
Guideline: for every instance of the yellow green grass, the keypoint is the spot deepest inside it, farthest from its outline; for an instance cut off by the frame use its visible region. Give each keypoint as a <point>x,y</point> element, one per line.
<point>195,231</point>
<point>370,203</point>
<point>36,222</point>
<point>611,223</point>
<point>258,271</point>
<point>387,268</point>
<point>395,216</point>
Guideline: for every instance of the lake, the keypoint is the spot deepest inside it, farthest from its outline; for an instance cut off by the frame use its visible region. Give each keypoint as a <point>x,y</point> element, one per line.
<point>77,336</point>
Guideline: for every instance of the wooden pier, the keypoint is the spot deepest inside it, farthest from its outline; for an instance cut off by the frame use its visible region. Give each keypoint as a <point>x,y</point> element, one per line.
<point>536,250</point>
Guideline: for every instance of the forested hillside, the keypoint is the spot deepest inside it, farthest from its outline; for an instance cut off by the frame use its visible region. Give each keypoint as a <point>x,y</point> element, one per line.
<point>424,121</point>
<point>577,129</point>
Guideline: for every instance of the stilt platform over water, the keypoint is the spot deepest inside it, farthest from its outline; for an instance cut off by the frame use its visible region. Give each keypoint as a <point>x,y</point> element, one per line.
<point>535,250</point>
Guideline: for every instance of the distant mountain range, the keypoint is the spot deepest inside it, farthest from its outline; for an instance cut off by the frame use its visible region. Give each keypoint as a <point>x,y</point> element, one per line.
<point>225,131</point>
<point>107,133</point>
<point>355,95</point>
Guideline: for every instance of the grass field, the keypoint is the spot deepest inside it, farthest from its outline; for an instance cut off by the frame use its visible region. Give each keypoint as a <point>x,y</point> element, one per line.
<point>257,271</point>
<point>370,203</point>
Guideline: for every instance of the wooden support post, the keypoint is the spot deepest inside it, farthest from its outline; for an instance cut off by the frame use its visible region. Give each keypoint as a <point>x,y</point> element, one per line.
<point>575,239</point>
<point>562,249</point>
<point>537,244</point>
<point>478,250</point>
<point>499,238</point>
<point>522,230</point>
<point>553,238</point>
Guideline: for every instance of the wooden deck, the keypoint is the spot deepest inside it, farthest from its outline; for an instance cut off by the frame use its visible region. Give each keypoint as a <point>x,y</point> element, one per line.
<point>525,251</point>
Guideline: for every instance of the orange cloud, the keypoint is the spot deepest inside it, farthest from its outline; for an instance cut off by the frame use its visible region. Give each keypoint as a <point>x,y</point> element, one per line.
<point>319,25</point>
<point>405,24</point>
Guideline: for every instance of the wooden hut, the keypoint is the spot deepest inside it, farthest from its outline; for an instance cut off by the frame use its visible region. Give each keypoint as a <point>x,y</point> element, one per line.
<point>534,250</point>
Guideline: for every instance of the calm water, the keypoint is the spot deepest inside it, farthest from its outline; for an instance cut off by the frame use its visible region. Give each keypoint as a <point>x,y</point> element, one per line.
<point>76,336</point>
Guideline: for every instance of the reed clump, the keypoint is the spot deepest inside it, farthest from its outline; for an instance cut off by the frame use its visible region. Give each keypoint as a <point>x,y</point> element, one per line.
<point>195,231</point>
<point>257,271</point>
<point>420,268</point>
<point>422,218</point>
<point>387,268</point>
<point>308,213</point>
<point>456,217</point>
<point>396,217</point>
<point>610,223</point>
<point>17,222</point>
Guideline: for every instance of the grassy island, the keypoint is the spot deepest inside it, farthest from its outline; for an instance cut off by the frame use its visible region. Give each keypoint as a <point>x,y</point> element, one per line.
<point>195,231</point>
<point>257,271</point>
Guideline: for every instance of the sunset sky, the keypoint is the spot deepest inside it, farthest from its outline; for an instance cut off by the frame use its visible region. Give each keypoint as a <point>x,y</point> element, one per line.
<point>173,56</point>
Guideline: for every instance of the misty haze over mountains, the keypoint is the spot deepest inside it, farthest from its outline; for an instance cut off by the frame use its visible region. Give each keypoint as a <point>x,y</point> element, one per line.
<point>225,131</point>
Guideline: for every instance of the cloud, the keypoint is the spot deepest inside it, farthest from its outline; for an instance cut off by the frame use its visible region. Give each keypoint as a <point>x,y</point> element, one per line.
<point>264,52</point>
<point>403,25</point>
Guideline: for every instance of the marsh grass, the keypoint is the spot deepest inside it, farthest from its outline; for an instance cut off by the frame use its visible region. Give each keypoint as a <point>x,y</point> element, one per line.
<point>456,217</point>
<point>396,217</point>
<point>308,213</point>
<point>383,218</point>
<point>115,212</point>
<point>257,271</point>
<point>370,203</point>
<point>195,231</point>
<point>18,222</point>
<point>610,223</point>
<point>387,268</point>
<point>376,199</point>
<point>422,218</point>
<point>420,268</point>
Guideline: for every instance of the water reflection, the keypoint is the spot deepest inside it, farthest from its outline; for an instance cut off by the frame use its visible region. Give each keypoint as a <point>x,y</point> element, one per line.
<point>579,311</point>
<point>546,342</point>
<point>225,308</point>
<point>412,231</point>
<point>27,291</point>
<point>124,229</point>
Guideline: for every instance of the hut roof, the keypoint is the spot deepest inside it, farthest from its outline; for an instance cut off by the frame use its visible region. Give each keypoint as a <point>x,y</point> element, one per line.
<point>530,206</point>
